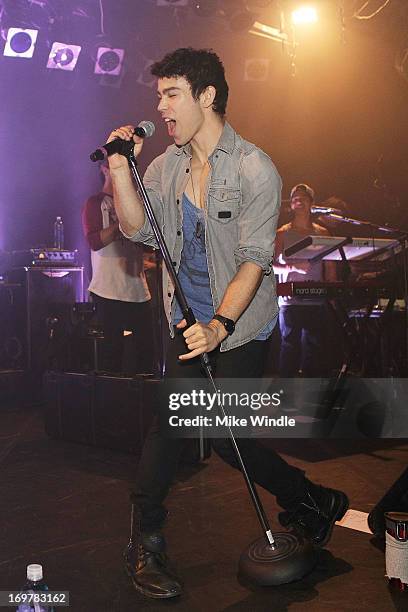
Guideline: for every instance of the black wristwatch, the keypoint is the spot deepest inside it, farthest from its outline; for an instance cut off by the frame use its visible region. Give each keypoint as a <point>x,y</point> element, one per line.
<point>227,323</point>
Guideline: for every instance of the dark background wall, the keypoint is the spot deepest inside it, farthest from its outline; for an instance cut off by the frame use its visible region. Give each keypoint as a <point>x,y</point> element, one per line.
<point>328,125</point>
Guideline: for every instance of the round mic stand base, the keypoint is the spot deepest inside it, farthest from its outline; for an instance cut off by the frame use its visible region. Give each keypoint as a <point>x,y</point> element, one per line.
<point>288,560</point>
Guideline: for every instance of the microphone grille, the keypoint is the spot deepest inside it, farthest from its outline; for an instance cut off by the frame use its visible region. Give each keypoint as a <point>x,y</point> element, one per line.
<point>148,127</point>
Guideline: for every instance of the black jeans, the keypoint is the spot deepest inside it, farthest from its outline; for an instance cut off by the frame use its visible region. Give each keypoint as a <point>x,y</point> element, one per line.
<point>303,331</point>
<point>115,316</point>
<point>160,455</point>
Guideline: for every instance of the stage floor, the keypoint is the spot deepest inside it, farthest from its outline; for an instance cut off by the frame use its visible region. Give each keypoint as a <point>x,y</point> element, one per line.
<point>66,506</point>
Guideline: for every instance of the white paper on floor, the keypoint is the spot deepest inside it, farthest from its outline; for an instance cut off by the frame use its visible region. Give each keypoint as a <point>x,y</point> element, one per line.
<point>354,519</point>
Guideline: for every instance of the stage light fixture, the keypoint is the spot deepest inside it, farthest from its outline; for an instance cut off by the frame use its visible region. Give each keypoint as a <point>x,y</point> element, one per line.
<point>63,56</point>
<point>238,16</point>
<point>256,69</point>
<point>109,61</point>
<point>20,42</point>
<point>269,32</point>
<point>305,15</point>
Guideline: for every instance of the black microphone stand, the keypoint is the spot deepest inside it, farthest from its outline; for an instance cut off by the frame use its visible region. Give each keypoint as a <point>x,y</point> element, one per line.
<point>402,237</point>
<point>269,560</point>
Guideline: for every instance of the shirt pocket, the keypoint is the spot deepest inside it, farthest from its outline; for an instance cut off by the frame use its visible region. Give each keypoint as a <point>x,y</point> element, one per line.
<point>223,203</point>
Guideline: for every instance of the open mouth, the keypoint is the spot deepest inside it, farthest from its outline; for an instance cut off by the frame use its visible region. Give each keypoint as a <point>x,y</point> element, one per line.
<point>171,126</point>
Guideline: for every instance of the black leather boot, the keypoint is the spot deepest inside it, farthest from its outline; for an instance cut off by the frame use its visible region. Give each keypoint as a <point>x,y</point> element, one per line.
<point>314,516</point>
<point>147,564</point>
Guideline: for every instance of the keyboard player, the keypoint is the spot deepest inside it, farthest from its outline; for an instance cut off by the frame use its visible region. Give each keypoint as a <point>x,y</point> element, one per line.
<point>303,322</point>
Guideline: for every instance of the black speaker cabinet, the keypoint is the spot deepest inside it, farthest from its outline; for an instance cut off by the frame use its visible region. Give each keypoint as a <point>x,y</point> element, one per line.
<point>45,294</point>
<point>11,342</point>
<point>14,390</point>
<point>102,411</point>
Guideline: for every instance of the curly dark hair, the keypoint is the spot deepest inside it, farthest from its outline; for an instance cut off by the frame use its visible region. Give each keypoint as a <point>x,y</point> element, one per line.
<point>201,68</point>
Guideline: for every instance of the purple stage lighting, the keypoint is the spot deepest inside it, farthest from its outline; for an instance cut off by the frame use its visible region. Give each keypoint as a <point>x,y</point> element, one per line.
<point>20,43</point>
<point>172,2</point>
<point>63,56</point>
<point>109,61</point>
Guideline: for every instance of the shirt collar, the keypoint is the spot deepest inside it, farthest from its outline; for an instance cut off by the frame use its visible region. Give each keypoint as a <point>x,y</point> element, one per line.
<point>226,142</point>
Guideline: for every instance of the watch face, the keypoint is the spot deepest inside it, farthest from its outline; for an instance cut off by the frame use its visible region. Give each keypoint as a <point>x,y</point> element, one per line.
<point>229,326</point>
<point>227,323</point>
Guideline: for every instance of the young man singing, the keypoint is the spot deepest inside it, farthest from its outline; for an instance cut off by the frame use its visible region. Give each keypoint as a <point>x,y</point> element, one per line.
<point>217,198</point>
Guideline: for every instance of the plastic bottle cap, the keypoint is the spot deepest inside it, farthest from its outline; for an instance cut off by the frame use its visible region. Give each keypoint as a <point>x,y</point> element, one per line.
<point>34,572</point>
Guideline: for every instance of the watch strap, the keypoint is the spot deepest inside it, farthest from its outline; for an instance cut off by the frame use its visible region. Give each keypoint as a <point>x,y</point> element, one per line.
<point>228,324</point>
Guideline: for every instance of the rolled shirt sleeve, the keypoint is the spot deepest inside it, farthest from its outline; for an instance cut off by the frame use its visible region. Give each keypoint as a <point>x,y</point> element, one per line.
<point>152,183</point>
<point>261,198</point>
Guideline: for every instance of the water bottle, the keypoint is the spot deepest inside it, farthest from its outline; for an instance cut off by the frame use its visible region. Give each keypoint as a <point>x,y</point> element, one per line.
<point>59,233</point>
<point>34,584</point>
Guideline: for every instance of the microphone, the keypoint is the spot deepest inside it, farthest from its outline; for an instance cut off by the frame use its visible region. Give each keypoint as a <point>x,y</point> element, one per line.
<point>145,129</point>
<point>325,210</point>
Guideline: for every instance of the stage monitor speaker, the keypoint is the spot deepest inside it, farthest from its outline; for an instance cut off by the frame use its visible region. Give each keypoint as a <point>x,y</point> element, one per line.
<point>45,296</point>
<point>107,412</point>
<point>103,411</point>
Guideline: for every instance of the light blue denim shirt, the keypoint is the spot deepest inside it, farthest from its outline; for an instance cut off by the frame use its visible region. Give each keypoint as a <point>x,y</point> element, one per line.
<point>242,207</point>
